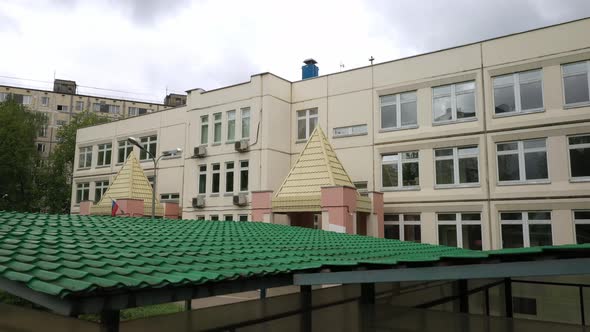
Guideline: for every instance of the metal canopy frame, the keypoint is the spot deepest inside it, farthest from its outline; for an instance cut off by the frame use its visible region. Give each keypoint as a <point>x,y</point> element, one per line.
<point>537,268</point>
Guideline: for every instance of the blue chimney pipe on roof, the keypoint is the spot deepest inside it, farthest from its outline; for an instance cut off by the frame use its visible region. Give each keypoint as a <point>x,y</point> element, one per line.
<point>310,69</point>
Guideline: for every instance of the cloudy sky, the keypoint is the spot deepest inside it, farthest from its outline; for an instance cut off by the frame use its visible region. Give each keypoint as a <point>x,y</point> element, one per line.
<point>140,48</point>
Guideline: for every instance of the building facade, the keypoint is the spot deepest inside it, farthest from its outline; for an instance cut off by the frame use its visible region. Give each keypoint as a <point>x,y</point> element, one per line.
<point>60,104</point>
<point>481,146</point>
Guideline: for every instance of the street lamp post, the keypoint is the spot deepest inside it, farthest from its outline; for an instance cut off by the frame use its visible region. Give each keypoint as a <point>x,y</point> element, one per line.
<point>168,153</point>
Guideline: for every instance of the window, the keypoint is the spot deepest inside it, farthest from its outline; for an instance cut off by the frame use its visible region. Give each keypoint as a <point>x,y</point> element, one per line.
<point>3,96</point>
<point>518,93</point>
<point>82,192</point>
<point>104,154</point>
<point>245,122</point>
<point>454,102</point>
<point>125,148</point>
<point>151,181</point>
<point>204,129</point>
<point>202,179</point>
<point>200,217</point>
<point>114,109</point>
<point>524,305</point>
<point>582,226</point>
<point>244,175</point>
<point>149,143</point>
<point>40,147</point>
<point>215,178</point>
<point>44,101</point>
<point>62,108</point>
<point>579,153</point>
<point>228,217</point>
<point>404,227</point>
<point>231,126</point>
<point>214,217</point>
<point>100,187</point>
<point>243,217</point>
<point>461,230</point>
<point>307,120</point>
<point>400,170</point>
<point>229,177</point>
<point>134,111</point>
<point>576,83</point>
<point>522,161</point>
<point>85,157</point>
<point>398,111</point>
<point>361,186</point>
<point>350,131</point>
<point>43,131</point>
<point>96,107</point>
<point>61,122</point>
<point>526,229</point>
<point>172,198</point>
<point>217,128</point>
<point>79,105</point>
<point>457,166</point>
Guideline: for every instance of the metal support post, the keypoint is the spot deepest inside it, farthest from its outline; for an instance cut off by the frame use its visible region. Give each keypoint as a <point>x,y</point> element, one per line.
<point>368,293</point>
<point>109,321</point>
<point>508,297</point>
<point>463,295</point>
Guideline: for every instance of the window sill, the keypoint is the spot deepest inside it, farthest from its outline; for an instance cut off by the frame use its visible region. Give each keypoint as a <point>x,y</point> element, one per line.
<point>213,195</point>
<point>83,168</point>
<point>386,130</point>
<point>443,123</point>
<point>580,180</point>
<point>507,115</point>
<point>228,194</point>
<point>414,188</point>
<point>576,105</point>
<point>103,166</point>
<point>216,144</point>
<point>457,186</point>
<point>350,135</point>
<point>301,140</point>
<point>520,183</point>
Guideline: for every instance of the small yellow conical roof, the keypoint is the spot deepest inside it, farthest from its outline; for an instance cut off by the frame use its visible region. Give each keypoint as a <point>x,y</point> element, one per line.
<point>129,183</point>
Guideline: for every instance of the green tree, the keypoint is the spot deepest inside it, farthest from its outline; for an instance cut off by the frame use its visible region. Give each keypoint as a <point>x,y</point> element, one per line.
<point>58,176</point>
<point>18,156</point>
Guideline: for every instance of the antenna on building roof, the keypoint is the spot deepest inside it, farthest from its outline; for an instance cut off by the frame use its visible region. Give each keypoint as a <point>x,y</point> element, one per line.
<point>371,59</point>
<point>341,66</point>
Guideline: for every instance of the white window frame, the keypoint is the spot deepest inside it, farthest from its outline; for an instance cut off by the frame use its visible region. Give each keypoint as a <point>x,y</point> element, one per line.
<point>245,122</point>
<point>231,121</point>
<point>398,110</point>
<point>516,86</point>
<point>80,188</point>
<point>45,101</point>
<point>348,131</point>
<point>204,129</point>
<point>42,149</point>
<point>579,222</point>
<point>521,162</point>
<point>79,105</point>
<point>102,186</point>
<point>525,222</point>
<point>213,173</point>
<point>244,169</point>
<point>453,95</point>
<point>202,171</point>
<point>399,162</point>
<point>3,96</point>
<point>218,124</point>
<point>456,175</point>
<point>104,148</point>
<point>132,111</point>
<point>458,222</point>
<point>576,146</point>
<point>127,146</point>
<point>306,114</point>
<point>149,140</point>
<point>401,223</point>
<point>563,76</point>
<point>170,197</point>
<point>227,171</point>
<point>43,131</point>
<point>64,108</point>
<point>82,153</point>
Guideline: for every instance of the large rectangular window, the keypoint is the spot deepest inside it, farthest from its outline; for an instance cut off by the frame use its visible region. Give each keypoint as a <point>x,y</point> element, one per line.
<point>149,143</point>
<point>522,161</point>
<point>244,170</point>
<point>204,129</point>
<point>400,170</point>
<point>307,120</point>
<point>582,224</point>
<point>576,83</point>
<point>245,122</point>
<point>231,125</point>
<point>518,93</point>
<point>100,187</point>
<point>457,166</point>
<point>125,148</point>
<point>104,154</point>
<point>44,101</point>
<point>217,128</point>
<point>229,177</point>
<point>526,229</point>
<point>399,111</point>
<point>215,178</point>
<point>579,153</point>
<point>85,157</point>
<point>172,198</point>
<point>404,227</point>
<point>79,105</point>
<point>82,192</point>
<point>461,230</point>
<point>202,179</point>
<point>454,102</point>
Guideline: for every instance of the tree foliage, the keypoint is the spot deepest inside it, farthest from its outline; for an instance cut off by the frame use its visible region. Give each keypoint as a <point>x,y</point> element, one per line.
<point>18,157</point>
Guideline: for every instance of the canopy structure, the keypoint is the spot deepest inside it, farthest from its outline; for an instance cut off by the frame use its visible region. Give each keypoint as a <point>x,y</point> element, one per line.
<point>129,183</point>
<point>317,166</point>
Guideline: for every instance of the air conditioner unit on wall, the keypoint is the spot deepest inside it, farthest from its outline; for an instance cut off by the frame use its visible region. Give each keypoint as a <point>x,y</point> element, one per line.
<point>199,202</point>
<point>240,200</point>
<point>242,146</point>
<point>200,151</point>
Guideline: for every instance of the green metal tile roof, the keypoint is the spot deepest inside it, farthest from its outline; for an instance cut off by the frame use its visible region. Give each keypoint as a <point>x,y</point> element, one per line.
<point>67,255</point>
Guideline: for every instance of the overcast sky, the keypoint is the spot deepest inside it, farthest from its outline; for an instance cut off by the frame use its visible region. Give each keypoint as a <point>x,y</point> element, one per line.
<point>148,46</point>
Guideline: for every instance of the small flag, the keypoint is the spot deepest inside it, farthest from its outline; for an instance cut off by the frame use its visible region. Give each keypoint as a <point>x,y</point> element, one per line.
<point>114,208</point>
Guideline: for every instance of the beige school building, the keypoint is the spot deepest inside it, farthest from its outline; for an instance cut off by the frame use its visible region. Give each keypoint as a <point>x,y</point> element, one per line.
<point>481,146</point>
